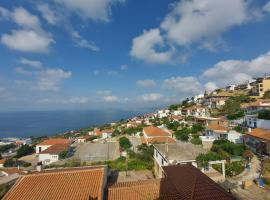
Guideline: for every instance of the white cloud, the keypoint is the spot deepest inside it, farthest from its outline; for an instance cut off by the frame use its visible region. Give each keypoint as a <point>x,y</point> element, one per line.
<point>104,92</point>
<point>110,98</point>
<point>151,97</point>
<point>197,24</point>
<point>146,83</point>
<point>144,47</point>
<point>32,63</point>
<point>124,67</point>
<point>210,86</point>
<point>25,19</point>
<point>98,10</point>
<point>237,71</point>
<point>83,43</point>
<point>48,14</point>
<point>76,100</point>
<point>51,79</point>
<point>4,13</point>
<point>267,7</point>
<point>27,40</point>
<point>105,72</point>
<point>188,85</point>
<point>194,21</point>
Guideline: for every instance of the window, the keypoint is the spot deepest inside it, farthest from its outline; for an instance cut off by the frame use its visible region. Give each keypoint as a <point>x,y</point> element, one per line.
<point>162,162</point>
<point>39,149</point>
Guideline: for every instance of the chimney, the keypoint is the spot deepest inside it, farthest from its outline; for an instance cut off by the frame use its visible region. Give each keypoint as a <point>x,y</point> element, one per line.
<point>249,130</point>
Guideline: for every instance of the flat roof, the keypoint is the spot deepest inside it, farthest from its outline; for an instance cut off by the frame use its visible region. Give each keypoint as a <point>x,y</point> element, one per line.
<point>180,151</point>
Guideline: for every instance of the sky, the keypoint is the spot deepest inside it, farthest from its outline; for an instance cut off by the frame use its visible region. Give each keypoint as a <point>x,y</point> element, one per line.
<point>127,54</point>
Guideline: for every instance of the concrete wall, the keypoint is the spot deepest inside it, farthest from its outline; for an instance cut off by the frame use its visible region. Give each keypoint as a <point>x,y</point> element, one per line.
<point>47,158</point>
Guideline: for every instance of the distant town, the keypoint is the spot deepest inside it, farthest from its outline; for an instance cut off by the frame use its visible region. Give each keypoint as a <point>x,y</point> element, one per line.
<point>214,145</point>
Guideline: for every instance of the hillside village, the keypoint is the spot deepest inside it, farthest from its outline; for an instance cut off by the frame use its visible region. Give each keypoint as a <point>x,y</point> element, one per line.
<point>214,145</point>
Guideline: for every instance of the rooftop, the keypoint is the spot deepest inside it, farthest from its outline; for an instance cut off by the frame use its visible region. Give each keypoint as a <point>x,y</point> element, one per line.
<point>181,182</point>
<point>77,184</point>
<point>260,133</point>
<point>56,149</point>
<point>55,141</point>
<point>180,151</point>
<point>152,131</point>
<point>157,140</point>
<point>217,127</point>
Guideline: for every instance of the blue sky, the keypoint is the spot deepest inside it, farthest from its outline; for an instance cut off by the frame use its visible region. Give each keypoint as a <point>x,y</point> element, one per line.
<point>127,54</point>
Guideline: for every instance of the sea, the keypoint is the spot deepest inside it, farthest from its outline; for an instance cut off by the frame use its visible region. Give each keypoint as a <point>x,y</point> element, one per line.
<point>41,123</point>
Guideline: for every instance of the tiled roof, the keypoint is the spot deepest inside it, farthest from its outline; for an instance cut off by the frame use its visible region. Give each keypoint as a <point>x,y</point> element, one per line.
<point>217,127</point>
<point>2,161</point>
<point>55,149</point>
<point>181,182</point>
<point>152,131</point>
<point>160,140</point>
<point>55,141</point>
<point>260,133</point>
<point>79,184</point>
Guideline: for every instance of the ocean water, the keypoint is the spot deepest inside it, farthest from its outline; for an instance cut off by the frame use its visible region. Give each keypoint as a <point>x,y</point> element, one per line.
<point>38,123</point>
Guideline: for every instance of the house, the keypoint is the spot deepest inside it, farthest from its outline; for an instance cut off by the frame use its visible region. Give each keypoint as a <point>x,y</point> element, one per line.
<point>177,182</point>
<point>48,151</point>
<point>258,140</point>
<point>260,86</point>
<point>83,139</point>
<point>175,154</point>
<point>23,141</point>
<point>96,132</point>
<point>230,87</point>
<point>152,134</point>
<point>176,118</point>
<point>253,121</point>
<point>163,113</point>
<point>219,132</point>
<point>72,184</point>
<point>177,112</point>
<point>107,133</point>
<point>195,111</point>
<point>257,106</point>
<point>216,100</point>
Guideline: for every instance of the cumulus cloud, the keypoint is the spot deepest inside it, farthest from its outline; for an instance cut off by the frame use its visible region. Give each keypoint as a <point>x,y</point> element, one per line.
<point>32,63</point>
<point>76,100</point>
<point>151,97</point>
<point>48,14</point>
<point>210,86</point>
<point>144,47</point>
<point>146,83</point>
<point>51,79</point>
<point>4,13</point>
<point>31,37</point>
<point>267,7</point>
<point>186,85</point>
<point>197,24</point>
<point>98,10</point>
<point>237,71</point>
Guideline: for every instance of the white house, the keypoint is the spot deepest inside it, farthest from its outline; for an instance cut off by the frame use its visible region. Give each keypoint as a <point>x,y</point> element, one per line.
<point>107,133</point>
<point>253,121</point>
<point>218,132</point>
<point>175,154</point>
<point>163,113</point>
<point>48,151</point>
<point>177,112</point>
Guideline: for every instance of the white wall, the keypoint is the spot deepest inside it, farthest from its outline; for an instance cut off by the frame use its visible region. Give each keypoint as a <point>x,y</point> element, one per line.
<point>235,137</point>
<point>43,147</point>
<point>47,158</point>
<point>159,159</point>
<point>254,122</point>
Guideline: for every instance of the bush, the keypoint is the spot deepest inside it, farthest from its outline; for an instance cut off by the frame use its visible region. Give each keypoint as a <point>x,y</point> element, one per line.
<point>203,159</point>
<point>229,147</point>
<point>124,143</point>
<point>266,95</point>
<point>183,134</point>
<point>196,141</point>
<point>7,147</point>
<point>63,155</point>
<point>24,150</point>
<point>264,115</point>
<point>10,163</point>
<point>239,114</point>
<point>26,164</point>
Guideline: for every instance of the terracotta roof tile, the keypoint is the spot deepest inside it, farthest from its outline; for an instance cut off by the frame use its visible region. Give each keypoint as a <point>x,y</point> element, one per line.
<point>79,184</point>
<point>55,141</point>
<point>160,140</point>
<point>217,127</point>
<point>151,131</point>
<point>55,149</point>
<point>260,133</point>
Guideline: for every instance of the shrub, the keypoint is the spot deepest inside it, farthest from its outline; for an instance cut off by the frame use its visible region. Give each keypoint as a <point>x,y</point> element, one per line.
<point>10,163</point>
<point>203,159</point>
<point>26,164</point>
<point>266,95</point>
<point>229,147</point>
<point>124,143</point>
<point>264,115</point>
<point>196,141</point>
<point>24,150</point>
<point>63,155</point>
<point>7,147</point>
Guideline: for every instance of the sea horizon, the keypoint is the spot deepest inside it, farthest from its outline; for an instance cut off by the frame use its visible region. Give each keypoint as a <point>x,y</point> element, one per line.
<point>51,122</point>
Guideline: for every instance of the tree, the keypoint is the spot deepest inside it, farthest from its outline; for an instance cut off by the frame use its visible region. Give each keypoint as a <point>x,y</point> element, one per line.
<point>10,163</point>
<point>173,107</point>
<point>124,143</point>
<point>63,154</point>
<point>266,95</point>
<point>183,134</point>
<point>196,141</point>
<point>24,150</point>
<point>264,115</point>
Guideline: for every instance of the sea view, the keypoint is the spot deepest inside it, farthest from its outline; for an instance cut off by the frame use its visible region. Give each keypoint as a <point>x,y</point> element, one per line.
<point>38,123</point>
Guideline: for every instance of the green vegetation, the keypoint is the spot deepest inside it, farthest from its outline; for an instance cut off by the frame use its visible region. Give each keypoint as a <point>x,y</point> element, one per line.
<point>232,106</point>
<point>239,129</point>
<point>10,163</point>
<point>24,150</point>
<point>264,115</point>
<point>182,134</point>
<point>116,133</point>
<point>231,169</point>
<point>4,188</point>
<point>196,140</point>
<point>174,107</point>
<point>225,147</point>
<point>173,125</point>
<point>266,95</point>
<point>90,139</point>
<point>7,147</point>
<point>203,159</point>
<point>132,131</point>
<point>124,143</point>
<point>63,155</point>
